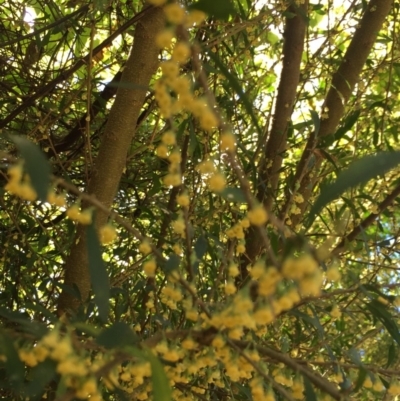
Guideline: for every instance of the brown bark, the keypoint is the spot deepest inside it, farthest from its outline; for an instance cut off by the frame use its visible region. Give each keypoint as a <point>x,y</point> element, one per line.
<point>293,45</point>
<point>342,86</point>
<point>140,67</point>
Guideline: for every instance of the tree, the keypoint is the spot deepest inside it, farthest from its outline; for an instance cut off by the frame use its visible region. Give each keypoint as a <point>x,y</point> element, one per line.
<point>199,200</point>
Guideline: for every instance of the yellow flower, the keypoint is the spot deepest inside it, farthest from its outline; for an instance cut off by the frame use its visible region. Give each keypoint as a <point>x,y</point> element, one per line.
<point>162,151</point>
<point>217,182</point>
<point>208,120</point>
<point>27,192</point>
<point>73,212</point>
<point>335,312</point>
<point>170,69</point>
<point>181,52</point>
<point>175,13</point>
<point>227,142</point>
<point>172,180</point>
<point>15,172</point>
<point>333,274</point>
<point>164,38</point>
<point>179,226</point>
<point>183,199</point>
<point>108,233</point>
<point>150,267</point>
<point>145,247</point>
<point>241,248</point>
<point>230,288</point>
<point>257,216</point>
<point>175,157</point>
<point>206,167</point>
<point>85,217</point>
<point>233,270</point>
<point>168,138</point>
<point>195,17</point>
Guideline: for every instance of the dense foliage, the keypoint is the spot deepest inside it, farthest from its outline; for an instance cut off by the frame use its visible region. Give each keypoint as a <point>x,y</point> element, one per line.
<point>199,200</point>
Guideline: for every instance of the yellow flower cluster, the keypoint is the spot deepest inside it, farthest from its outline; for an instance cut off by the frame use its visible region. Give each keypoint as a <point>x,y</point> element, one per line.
<point>19,185</point>
<point>170,296</point>
<point>258,391</point>
<point>107,234</point>
<point>179,227</point>
<point>394,388</point>
<point>227,142</point>
<point>83,217</point>
<point>145,247</point>
<point>173,178</point>
<point>306,272</point>
<point>77,372</point>
<point>257,215</point>
<point>150,267</point>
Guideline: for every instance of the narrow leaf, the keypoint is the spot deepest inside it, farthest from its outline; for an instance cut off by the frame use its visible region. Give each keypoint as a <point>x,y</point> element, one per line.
<point>359,172</point>
<point>380,312</point>
<point>98,273</point>
<point>233,195</point>
<point>36,165</point>
<point>118,335</point>
<point>161,387</point>
<point>309,391</point>
<point>237,88</point>
<point>13,365</point>
<point>316,121</point>
<point>220,9</point>
<point>201,247</point>
<point>362,374</point>
<point>40,376</point>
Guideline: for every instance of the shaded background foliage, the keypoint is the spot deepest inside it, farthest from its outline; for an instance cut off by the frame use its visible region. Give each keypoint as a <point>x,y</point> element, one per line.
<point>59,76</point>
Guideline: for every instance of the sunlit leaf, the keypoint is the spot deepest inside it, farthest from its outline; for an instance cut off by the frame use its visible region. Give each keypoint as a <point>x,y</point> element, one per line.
<point>358,173</point>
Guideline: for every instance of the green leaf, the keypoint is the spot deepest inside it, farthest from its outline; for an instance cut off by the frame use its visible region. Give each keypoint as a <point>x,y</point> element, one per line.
<point>13,365</point>
<point>233,195</point>
<point>161,387</point>
<point>201,247</point>
<point>362,374</point>
<point>359,172</point>
<point>316,121</point>
<point>220,9</point>
<point>40,376</point>
<point>345,127</point>
<point>237,88</point>
<point>380,312</point>
<point>36,165</point>
<point>309,391</point>
<point>118,335</point>
<point>98,273</point>
<point>392,354</point>
<point>171,264</point>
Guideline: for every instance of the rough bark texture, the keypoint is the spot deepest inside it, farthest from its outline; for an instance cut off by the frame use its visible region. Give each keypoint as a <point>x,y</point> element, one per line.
<point>294,36</point>
<point>342,86</point>
<point>140,67</point>
<point>293,46</point>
